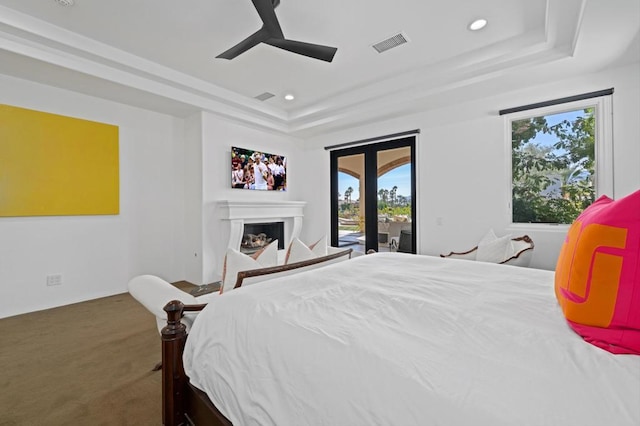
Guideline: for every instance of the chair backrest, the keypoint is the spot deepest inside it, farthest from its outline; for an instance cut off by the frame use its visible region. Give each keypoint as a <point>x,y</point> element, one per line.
<point>405,243</point>
<point>520,256</point>
<point>522,251</point>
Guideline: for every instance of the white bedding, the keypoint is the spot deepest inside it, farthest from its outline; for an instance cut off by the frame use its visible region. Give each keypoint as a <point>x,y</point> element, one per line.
<point>399,339</point>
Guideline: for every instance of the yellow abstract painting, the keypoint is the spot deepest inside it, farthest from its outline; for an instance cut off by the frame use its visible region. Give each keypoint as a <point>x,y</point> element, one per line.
<point>53,165</point>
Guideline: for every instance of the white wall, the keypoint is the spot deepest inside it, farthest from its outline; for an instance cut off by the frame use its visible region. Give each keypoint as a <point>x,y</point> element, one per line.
<point>218,136</point>
<point>173,171</point>
<point>192,256</point>
<point>98,254</point>
<point>462,164</point>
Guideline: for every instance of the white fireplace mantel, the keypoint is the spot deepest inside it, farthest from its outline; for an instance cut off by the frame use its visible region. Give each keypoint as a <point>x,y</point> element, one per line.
<point>240,212</point>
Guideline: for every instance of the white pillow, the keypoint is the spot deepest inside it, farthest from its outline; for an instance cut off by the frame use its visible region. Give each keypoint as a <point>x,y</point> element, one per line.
<point>298,251</point>
<point>495,251</point>
<point>235,261</point>
<point>319,248</point>
<point>511,250</point>
<point>489,237</point>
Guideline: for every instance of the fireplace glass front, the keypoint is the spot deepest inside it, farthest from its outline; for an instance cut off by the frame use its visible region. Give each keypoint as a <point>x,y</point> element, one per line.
<point>259,235</point>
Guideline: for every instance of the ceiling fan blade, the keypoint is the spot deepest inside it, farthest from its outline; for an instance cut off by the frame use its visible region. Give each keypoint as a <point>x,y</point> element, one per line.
<point>271,33</point>
<point>266,10</point>
<point>259,36</point>
<point>324,53</point>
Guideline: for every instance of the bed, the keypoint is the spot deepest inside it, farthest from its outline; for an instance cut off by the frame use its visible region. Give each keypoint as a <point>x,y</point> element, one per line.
<point>393,339</point>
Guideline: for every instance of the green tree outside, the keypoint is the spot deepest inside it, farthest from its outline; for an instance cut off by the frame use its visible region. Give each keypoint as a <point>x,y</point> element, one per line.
<point>552,182</point>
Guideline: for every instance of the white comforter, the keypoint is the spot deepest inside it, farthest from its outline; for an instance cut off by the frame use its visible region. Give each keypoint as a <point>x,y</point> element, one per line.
<point>398,339</point>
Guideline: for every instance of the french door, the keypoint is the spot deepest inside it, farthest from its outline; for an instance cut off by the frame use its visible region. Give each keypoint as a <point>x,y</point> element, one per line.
<point>373,196</point>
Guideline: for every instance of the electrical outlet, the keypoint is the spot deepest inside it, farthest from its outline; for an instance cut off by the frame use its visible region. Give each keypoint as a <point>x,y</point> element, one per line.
<point>55,279</point>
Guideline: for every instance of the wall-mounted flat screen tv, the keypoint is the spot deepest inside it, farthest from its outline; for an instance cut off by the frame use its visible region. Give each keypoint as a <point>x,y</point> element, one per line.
<point>251,169</point>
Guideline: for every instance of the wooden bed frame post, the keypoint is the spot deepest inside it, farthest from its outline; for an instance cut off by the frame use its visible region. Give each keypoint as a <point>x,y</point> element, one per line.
<point>174,336</point>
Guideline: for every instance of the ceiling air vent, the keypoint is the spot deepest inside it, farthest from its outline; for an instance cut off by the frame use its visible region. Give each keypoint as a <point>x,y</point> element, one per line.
<point>391,42</point>
<point>264,96</point>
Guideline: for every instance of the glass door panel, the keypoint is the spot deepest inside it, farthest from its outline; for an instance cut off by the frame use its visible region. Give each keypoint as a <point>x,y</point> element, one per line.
<point>351,202</point>
<point>395,213</point>
<point>373,196</point>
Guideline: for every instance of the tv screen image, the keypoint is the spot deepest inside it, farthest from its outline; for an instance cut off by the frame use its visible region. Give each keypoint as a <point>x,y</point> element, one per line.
<point>257,170</point>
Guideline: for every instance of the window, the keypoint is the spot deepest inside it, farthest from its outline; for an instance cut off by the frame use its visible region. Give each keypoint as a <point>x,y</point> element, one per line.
<point>561,160</point>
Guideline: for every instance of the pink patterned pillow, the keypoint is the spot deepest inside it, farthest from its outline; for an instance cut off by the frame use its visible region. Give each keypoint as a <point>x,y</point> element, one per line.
<point>597,281</point>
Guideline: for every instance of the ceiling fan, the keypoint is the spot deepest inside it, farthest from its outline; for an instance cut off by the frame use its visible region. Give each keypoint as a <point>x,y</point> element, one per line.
<point>271,34</point>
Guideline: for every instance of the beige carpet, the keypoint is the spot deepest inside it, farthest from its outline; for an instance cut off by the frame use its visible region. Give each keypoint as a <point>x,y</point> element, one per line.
<point>83,364</point>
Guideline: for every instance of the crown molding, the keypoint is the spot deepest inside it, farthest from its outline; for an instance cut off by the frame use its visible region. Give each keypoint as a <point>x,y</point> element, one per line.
<point>36,39</point>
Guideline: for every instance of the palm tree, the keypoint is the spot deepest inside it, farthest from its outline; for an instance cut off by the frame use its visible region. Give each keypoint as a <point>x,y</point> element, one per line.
<point>383,195</point>
<point>347,194</point>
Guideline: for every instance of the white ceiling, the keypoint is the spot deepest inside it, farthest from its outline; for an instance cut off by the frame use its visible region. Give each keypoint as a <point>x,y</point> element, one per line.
<point>160,54</point>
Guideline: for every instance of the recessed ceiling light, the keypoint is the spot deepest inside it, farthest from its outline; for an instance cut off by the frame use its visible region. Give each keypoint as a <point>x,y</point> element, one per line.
<point>65,2</point>
<point>478,24</point>
<point>289,97</point>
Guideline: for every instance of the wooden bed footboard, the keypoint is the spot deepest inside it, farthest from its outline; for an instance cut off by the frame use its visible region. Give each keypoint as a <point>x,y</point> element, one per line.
<point>181,402</point>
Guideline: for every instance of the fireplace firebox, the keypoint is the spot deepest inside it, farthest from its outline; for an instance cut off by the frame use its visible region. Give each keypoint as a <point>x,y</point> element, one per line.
<point>259,235</point>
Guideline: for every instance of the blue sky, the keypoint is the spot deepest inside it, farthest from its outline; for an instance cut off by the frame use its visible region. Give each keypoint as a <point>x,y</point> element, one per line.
<point>545,139</point>
<point>400,177</point>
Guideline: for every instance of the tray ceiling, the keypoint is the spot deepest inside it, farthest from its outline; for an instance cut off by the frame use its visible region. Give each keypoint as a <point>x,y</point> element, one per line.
<point>160,54</point>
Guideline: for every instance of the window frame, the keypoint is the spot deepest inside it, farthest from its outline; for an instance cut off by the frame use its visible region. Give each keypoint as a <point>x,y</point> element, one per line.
<point>604,172</point>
